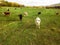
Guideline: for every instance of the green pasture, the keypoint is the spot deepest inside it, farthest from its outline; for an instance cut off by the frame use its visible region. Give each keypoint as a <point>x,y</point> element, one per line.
<point>16,32</point>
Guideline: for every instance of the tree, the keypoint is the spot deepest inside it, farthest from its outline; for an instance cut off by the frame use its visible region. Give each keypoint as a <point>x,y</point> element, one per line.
<point>2,1</point>
<point>10,4</point>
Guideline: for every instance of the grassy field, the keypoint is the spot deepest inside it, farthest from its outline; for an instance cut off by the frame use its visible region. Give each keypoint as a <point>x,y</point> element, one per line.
<point>16,32</point>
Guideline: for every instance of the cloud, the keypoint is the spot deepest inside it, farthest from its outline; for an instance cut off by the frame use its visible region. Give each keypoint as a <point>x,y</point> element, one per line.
<point>35,2</point>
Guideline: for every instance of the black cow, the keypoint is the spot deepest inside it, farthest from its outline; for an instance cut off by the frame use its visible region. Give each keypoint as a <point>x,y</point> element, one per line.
<point>20,17</point>
<point>15,8</point>
<point>8,10</point>
<point>39,13</point>
<point>57,13</point>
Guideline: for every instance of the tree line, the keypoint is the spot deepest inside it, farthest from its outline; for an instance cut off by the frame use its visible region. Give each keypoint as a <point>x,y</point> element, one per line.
<point>10,4</point>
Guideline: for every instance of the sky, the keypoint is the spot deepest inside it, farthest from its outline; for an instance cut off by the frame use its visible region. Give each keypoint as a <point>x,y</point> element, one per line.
<point>35,2</point>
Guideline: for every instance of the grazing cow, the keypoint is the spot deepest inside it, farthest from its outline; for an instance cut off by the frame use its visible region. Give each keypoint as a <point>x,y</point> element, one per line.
<point>57,13</point>
<point>8,10</point>
<point>6,13</point>
<point>15,8</point>
<point>20,17</point>
<point>37,22</point>
<point>25,13</point>
<point>39,13</point>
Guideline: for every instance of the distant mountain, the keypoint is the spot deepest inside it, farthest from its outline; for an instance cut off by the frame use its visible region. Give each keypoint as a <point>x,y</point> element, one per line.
<point>55,4</point>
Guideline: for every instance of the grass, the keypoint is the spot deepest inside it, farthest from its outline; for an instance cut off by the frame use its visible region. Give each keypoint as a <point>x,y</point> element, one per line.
<point>15,32</point>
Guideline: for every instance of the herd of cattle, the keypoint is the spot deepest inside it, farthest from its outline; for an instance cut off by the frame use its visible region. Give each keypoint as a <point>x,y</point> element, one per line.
<point>37,20</point>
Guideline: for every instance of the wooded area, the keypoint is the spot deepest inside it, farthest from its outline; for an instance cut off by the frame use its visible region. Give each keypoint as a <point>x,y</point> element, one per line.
<point>10,4</point>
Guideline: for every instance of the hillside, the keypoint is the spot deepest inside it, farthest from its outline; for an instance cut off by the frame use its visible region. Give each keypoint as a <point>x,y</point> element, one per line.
<point>55,4</point>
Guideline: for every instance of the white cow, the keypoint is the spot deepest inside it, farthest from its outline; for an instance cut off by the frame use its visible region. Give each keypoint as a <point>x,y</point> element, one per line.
<point>25,13</point>
<point>37,22</point>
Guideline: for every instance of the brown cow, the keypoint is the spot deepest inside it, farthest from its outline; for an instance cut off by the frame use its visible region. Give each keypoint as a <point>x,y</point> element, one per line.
<point>7,13</point>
